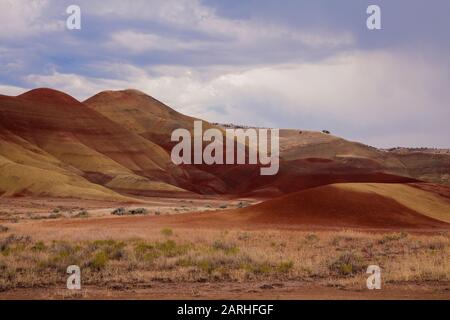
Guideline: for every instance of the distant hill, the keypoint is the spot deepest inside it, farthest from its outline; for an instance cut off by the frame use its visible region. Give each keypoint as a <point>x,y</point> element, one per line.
<point>116,144</point>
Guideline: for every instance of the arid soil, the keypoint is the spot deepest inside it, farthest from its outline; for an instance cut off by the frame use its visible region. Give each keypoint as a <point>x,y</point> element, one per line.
<point>291,290</point>
<point>177,252</point>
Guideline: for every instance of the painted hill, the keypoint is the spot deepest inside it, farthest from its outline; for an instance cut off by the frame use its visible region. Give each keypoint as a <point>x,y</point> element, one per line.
<point>47,129</point>
<point>117,143</point>
<point>353,205</point>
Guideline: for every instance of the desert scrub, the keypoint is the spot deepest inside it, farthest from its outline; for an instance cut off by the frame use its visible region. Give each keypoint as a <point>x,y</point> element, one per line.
<point>226,256</point>
<point>285,266</point>
<point>14,242</point>
<point>82,214</point>
<point>311,238</point>
<point>123,212</point>
<point>3,229</point>
<point>167,232</point>
<point>99,261</point>
<point>348,263</point>
<point>226,247</point>
<point>151,251</point>
<point>393,237</point>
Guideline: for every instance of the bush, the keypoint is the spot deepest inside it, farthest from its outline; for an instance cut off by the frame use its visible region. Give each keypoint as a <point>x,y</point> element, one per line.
<point>99,261</point>
<point>393,237</point>
<point>137,211</point>
<point>55,216</point>
<point>285,267</point>
<point>347,263</point>
<point>39,246</point>
<point>119,212</point>
<point>228,248</point>
<point>167,232</point>
<point>311,237</point>
<point>122,211</point>
<point>82,214</point>
<point>3,229</point>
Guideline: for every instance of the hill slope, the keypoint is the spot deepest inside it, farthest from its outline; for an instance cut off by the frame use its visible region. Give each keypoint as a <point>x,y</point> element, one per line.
<point>120,141</point>
<point>358,205</point>
<point>78,139</point>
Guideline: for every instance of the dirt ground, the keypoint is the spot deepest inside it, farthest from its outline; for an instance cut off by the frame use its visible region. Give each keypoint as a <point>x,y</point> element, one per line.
<point>291,290</point>
<point>32,217</point>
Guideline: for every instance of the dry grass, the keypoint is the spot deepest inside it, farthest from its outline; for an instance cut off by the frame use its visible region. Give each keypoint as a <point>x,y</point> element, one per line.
<point>336,258</point>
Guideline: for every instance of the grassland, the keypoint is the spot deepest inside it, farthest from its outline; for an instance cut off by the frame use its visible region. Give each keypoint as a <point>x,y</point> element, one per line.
<point>170,255</point>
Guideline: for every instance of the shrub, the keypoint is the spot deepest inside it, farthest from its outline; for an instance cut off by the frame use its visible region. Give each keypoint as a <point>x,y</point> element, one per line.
<point>285,266</point>
<point>167,232</point>
<point>311,237</point>
<point>39,246</point>
<point>55,216</point>
<point>99,261</point>
<point>122,211</point>
<point>137,211</point>
<point>119,212</point>
<point>347,263</point>
<point>3,229</point>
<point>82,214</point>
<point>393,237</point>
<point>228,248</point>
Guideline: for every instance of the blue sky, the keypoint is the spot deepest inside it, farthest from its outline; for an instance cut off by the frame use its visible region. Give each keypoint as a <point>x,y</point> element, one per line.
<point>289,64</point>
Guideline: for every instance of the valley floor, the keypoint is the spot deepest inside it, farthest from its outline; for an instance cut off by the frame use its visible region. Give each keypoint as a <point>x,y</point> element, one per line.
<point>171,253</point>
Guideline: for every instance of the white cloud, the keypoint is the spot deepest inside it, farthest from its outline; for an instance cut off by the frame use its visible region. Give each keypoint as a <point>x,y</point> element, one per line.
<point>375,93</point>
<point>193,16</point>
<point>11,90</point>
<point>26,17</point>
<point>139,42</point>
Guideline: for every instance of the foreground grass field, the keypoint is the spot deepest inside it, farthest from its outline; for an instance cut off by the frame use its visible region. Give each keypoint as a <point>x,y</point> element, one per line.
<point>332,258</point>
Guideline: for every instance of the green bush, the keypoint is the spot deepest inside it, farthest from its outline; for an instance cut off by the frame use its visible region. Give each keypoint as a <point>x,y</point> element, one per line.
<point>99,261</point>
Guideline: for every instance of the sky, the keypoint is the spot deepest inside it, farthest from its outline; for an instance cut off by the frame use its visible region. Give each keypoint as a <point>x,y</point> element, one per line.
<point>287,64</point>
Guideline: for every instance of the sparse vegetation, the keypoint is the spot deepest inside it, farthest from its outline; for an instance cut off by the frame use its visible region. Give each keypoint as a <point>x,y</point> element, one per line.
<point>348,263</point>
<point>3,229</point>
<point>54,216</point>
<point>118,212</point>
<point>167,232</point>
<point>123,212</point>
<point>330,257</point>
<point>82,214</point>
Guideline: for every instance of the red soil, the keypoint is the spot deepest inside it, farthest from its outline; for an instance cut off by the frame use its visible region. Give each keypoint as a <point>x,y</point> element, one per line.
<point>333,206</point>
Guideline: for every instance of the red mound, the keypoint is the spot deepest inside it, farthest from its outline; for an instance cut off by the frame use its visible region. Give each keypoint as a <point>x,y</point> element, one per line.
<point>332,206</point>
<point>49,96</point>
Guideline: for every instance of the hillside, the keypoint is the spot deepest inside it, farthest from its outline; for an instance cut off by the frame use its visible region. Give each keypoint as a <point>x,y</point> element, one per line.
<point>118,142</point>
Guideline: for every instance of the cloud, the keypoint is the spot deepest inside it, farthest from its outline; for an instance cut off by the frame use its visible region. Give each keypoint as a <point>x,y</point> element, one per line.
<point>139,42</point>
<point>291,64</point>
<point>21,18</point>
<point>213,30</point>
<point>359,95</point>
<point>11,90</point>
